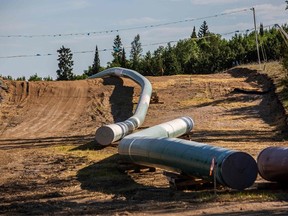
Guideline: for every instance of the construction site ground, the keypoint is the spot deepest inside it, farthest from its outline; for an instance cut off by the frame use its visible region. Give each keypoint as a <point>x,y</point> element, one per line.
<point>50,163</point>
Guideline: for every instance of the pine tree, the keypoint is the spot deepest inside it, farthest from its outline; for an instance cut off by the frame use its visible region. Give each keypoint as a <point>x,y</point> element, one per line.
<point>194,35</point>
<point>171,64</point>
<point>117,51</point>
<point>203,31</point>
<point>148,65</point>
<point>96,64</point>
<point>123,62</point>
<point>65,64</point>
<point>261,30</point>
<point>135,53</point>
<point>157,62</point>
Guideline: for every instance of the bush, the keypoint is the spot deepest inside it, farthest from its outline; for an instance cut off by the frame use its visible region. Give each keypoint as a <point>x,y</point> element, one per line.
<point>35,78</point>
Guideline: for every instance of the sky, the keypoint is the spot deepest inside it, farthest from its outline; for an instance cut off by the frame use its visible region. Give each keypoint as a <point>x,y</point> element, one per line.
<point>31,31</point>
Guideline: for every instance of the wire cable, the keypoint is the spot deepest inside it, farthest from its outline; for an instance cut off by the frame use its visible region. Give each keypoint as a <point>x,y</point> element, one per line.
<point>127,47</point>
<point>123,29</point>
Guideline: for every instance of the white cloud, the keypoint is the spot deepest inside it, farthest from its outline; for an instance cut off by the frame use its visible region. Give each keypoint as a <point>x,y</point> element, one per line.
<point>176,0</point>
<point>206,2</point>
<point>13,26</point>
<point>79,4</point>
<point>269,12</point>
<point>164,34</point>
<point>265,12</point>
<point>138,21</point>
<point>234,10</point>
<point>232,28</point>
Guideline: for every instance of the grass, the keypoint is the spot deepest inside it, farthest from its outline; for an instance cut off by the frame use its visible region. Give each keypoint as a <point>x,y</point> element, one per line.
<point>91,150</point>
<point>276,71</point>
<point>248,196</point>
<point>101,174</point>
<point>238,196</point>
<point>195,101</point>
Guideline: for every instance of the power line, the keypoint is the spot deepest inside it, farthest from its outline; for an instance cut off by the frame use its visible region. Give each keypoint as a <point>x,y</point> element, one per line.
<point>123,29</point>
<point>110,49</point>
<point>144,45</point>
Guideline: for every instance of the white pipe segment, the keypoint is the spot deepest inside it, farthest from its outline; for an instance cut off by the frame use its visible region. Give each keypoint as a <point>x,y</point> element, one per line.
<point>108,134</point>
<point>170,129</point>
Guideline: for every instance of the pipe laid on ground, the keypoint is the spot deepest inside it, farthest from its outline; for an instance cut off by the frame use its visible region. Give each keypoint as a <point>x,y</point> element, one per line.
<point>108,134</point>
<point>273,164</point>
<point>237,170</point>
<point>174,128</point>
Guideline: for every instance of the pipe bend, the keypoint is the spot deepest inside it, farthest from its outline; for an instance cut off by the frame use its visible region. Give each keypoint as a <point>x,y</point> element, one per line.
<point>108,134</point>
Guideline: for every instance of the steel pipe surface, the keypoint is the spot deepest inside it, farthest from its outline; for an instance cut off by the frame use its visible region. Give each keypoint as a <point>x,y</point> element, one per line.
<point>273,164</point>
<point>108,134</point>
<point>237,170</point>
<point>174,128</point>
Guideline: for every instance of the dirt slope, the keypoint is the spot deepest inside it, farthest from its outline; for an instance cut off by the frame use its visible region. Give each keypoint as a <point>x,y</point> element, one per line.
<point>50,163</point>
<point>59,109</point>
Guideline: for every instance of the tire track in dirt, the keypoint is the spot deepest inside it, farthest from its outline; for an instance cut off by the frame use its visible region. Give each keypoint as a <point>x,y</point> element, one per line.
<point>52,111</point>
<point>35,178</point>
<point>70,110</point>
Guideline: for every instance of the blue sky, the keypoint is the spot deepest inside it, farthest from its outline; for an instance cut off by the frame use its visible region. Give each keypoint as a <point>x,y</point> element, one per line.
<point>49,17</point>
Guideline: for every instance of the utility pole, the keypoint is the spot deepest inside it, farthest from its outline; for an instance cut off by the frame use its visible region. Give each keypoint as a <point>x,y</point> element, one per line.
<point>256,35</point>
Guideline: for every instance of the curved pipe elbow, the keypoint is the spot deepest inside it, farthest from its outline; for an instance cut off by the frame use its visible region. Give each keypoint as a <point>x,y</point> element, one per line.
<point>108,134</point>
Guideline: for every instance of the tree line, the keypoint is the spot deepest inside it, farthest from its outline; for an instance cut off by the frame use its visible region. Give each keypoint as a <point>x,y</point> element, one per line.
<point>203,52</point>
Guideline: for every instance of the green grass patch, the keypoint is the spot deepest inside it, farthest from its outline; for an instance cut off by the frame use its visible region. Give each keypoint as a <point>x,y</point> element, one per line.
<point>235,196</point>
<point>100,173</point>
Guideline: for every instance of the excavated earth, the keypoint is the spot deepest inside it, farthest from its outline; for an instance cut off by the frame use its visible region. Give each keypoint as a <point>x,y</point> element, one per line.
<point>50,163</point>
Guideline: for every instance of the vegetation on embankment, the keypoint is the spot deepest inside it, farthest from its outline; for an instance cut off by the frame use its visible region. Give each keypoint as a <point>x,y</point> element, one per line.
<point>278,74</point>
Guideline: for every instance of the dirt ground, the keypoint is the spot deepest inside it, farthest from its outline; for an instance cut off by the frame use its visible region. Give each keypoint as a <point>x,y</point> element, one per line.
<point>50,163</point>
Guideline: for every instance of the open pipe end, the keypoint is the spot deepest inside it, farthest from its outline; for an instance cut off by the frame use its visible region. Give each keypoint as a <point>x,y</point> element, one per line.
<point>239,170</point>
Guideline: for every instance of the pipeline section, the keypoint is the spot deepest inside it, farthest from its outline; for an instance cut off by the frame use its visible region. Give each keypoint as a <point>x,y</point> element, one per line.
<point>108,134</point>
<point>273,164</point>
<point>155,147</point>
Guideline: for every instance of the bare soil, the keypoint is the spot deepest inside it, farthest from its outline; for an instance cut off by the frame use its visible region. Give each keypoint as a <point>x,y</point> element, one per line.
<point>50,163</point>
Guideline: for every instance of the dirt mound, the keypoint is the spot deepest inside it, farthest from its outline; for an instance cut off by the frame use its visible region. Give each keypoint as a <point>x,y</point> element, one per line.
<point>49,161</point>
<point>61,109</point>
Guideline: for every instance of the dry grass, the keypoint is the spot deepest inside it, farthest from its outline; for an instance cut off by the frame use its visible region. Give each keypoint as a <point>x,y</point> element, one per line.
<point>85,178</point>
<point>195,101</point>
<point>276,71</point>
<point>91,150</point>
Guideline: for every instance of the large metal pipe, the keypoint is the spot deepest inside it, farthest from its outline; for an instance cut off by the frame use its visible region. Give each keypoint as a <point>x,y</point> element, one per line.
<point>174,128</point>
<point>273,164</point>
<point>108,134</point>
<point>237,170</point>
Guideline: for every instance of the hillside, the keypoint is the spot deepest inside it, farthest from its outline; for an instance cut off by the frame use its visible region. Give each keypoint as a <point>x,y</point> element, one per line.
<point>49,161</point>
